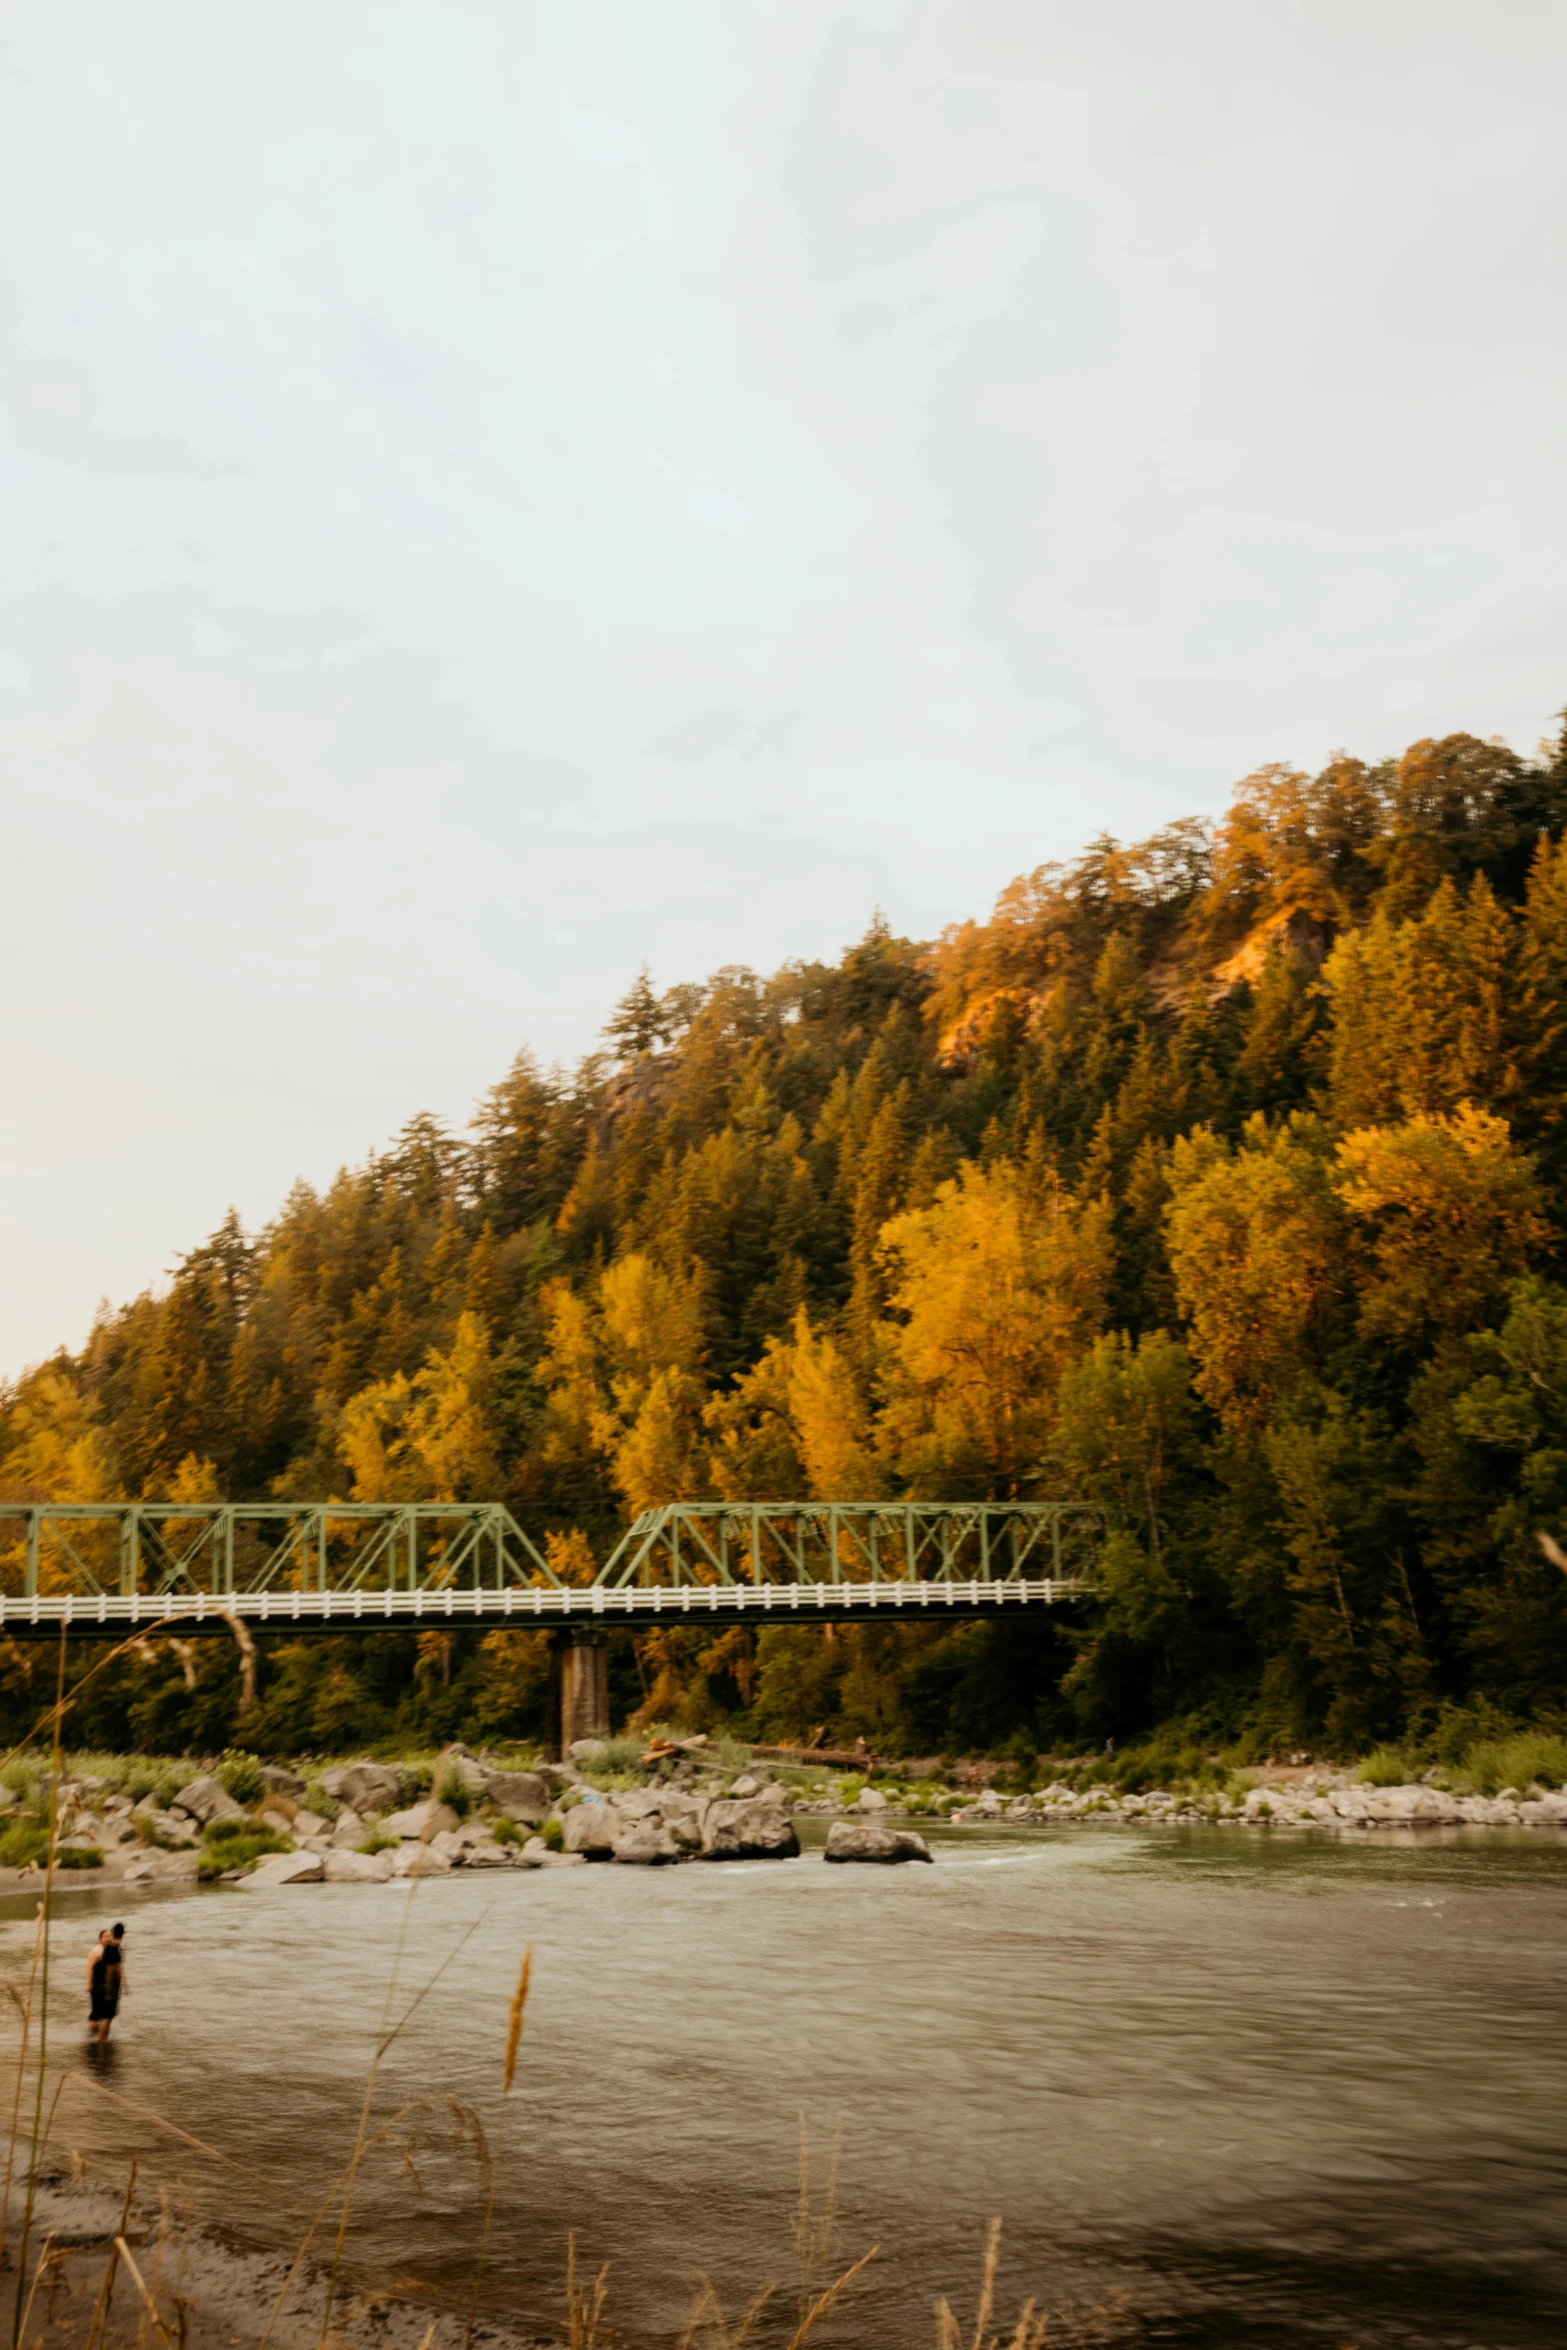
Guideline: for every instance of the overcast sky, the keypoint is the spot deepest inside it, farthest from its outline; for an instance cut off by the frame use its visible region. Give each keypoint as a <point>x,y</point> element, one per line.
<point>493,492</point>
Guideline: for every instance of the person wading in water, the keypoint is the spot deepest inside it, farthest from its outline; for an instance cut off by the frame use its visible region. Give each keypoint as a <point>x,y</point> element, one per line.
<point>106,1981</point>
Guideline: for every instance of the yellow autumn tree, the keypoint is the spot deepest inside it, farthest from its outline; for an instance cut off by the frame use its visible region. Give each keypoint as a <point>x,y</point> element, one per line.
<point>623,1389</point>
<point>1254,1238</point>
<point>994,1289</point>
<point>428,1438</point>
<point>797,1423</point>
<point>1450,1208</point>
<point>59,1449</point>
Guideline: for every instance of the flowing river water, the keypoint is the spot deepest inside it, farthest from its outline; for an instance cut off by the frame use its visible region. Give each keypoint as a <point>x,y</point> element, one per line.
<point>1222,2088</point>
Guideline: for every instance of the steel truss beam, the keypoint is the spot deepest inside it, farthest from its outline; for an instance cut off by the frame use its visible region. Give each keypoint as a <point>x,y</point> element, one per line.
<point>111,1567</point>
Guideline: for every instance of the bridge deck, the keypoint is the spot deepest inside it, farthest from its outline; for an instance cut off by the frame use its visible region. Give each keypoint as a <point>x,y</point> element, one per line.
<point>114,1614</point>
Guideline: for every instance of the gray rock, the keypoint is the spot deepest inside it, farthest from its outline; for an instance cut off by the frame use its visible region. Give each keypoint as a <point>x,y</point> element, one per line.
<point>871,1799</point>
<point>491,1856</point>
<point>594,1830</point>
<point>521,1795</point>
<point>205,1800</point>
<point>756,1830</point>
<point>745,1786</point>
<point>436,1818</point>
<point>310,1823</point>
<point>419,1860</point>
<point>646,1846</point>
<point>366,1786</point>
<point>846,1841</point>
<point>346,1830</point>
<point>284,1868</point>
<point>283,1782</point>
<point>587,1749</point>
<point>356,1868</point>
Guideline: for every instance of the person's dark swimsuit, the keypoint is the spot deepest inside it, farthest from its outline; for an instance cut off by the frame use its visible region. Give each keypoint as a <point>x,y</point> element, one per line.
<point>105,1985</point>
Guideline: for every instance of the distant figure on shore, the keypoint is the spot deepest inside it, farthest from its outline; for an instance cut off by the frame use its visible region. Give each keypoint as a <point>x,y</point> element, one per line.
<point>106,1981</point>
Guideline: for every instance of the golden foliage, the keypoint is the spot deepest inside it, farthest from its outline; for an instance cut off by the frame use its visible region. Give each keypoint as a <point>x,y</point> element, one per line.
<point>1253,1240</point>
<point>995,1288</point>
<point>1452,1207</point>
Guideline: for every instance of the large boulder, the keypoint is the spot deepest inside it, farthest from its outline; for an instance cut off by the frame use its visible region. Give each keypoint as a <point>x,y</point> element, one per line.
<point>280,1782</point>
<point>284,1868</point>
<point>594,1830</point>
<point>205,1800</point>
<point>521,1795</point>
<point>419,1860</point>
<point>870,1799</point>
<point>848,1841</point>
<point>347,1830</point>
<point>367,1786</point>
<point>356,1868</point>
<point>1422,1807</point>
<point>760,1829</point>
<point>1544,1811</point>
<point>422,1819</point>
<point>646,1846</point>
<point>536,1854</point>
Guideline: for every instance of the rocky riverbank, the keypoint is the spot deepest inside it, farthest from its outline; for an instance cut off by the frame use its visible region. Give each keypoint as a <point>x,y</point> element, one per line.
<point>1330,1800</point>
<point>370,1822</point>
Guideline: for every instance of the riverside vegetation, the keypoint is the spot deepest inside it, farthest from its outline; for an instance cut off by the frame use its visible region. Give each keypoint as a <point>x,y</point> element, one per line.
<point>153,1821</point>
<point>1218,1181</point>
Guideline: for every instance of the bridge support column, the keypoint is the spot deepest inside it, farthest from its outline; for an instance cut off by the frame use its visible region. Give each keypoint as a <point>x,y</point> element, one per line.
<point>584,1688</point>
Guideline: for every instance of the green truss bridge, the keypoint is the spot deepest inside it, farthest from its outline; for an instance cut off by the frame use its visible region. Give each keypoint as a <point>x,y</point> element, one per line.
<point>112,1568</point>
<point>115,1569</point>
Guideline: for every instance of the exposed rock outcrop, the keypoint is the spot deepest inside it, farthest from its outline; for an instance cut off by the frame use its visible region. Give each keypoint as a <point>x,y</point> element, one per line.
<point>847,1841</point>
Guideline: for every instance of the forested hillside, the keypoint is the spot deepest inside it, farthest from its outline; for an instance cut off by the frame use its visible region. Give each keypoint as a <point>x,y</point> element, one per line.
<point>1220,1179</point>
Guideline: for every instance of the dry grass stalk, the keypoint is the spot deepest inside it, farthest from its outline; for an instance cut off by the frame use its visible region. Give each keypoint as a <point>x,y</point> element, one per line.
<point>47,2258</point>
<point>100,2317</point>
<point>140,2282</point>
<point>584,2304</point>
<point>815,2227</point>
<point>519,2000</point>
<point>56,1772</point>
<point>514,2016</point>
<point>706,2327</point>
<point>816,2224</point>
<point>1029,2333</point>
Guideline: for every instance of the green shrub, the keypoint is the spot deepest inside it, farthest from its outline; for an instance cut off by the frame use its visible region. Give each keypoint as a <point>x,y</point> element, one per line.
<point>24,1839</point>
<point>1529,1755</point>
<point>554,1835</point>
<point>236,1844</point>
<point>377,1841</point>
<point>452,1788</point>
<point>1387,1766</point>
<point>78,1856</point>
<point>417,1778</point>
<point>318,1801</point>
<point>508,1832</point>
<point>239,1775</point>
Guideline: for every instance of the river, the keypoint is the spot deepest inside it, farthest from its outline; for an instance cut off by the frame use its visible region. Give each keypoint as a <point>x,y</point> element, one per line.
<point>1221,2088</point>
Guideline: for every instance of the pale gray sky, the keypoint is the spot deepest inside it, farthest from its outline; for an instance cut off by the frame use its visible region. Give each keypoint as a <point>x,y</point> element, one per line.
<point>496,491</point>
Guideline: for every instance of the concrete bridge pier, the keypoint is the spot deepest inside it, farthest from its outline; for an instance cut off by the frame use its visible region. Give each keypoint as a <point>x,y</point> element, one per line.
<point>582,1661</point>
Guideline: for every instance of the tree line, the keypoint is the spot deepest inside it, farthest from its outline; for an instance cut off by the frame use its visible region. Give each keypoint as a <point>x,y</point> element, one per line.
<point>1218,1180</point>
